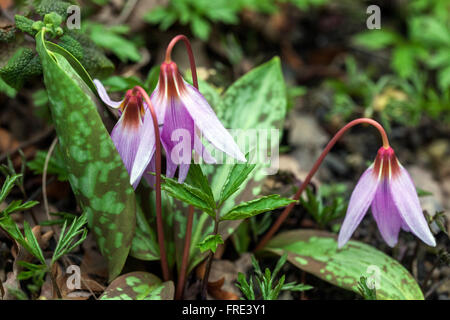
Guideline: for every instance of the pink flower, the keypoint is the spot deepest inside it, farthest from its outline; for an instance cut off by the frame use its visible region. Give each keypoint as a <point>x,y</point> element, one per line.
<point>133,135</point>
<point>387,187</point>
<point>187,116</point>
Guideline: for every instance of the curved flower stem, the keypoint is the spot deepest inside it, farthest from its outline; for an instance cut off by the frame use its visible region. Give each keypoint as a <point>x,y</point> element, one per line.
<point>187,240</point>
<point>190,54</point>
<point>313,170</point>
<point>185,259</point>
<point>159,222</point>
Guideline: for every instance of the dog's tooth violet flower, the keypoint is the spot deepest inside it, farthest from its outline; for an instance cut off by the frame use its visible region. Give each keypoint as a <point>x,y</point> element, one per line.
<point>181,106</point>
<point>133,135</point>
<point>387,187</point>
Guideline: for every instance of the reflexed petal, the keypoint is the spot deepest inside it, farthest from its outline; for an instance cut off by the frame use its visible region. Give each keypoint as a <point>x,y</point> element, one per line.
<point>145,150</point>
<point>206,120</point>
<point>104,95</point>
<point>407,202</point>
<point>360,201</point>
<point>386,214</point>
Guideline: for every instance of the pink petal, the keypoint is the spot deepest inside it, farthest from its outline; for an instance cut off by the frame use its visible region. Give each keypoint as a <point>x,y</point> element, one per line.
<point>160,103</point>
<point>178,138</point>
<point>127,142</point>
<point>104,95</point>
<point>386,214</point>
<point>407,202</point>
<point>145,150</point>
<point>360,201</point>
<point>202,151</point>
<point>206,120</point>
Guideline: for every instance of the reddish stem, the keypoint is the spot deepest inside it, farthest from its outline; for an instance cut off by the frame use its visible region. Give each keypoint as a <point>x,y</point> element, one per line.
<point>313,170</point>
<point>190,54</point>
<point>159,221</point>
<point>184,261</point>
<point>187,242</point>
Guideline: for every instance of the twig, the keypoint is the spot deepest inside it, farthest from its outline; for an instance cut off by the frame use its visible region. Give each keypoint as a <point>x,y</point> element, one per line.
<point>126,11</point>
<point>434,287</point>
<point>44,177</point>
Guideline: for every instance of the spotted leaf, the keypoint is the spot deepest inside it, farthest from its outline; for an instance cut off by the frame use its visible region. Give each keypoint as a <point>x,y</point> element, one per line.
<point>138,286</point>
<point>316,252</point>
<point>95,170</point>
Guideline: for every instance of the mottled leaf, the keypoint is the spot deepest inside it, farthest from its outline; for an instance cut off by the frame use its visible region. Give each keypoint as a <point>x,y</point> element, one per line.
<point>96,172</point>
<point>139,286</point>
<point>253,207</point>
<point>316,252</point>
<point>145,244</point>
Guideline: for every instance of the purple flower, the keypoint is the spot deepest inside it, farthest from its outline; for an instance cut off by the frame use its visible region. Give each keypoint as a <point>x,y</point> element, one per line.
<point>133,135</point>
<point>187,116</point>
<point>388,188</point>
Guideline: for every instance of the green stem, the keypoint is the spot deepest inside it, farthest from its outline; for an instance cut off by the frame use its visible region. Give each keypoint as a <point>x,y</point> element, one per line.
<point>210,259</point>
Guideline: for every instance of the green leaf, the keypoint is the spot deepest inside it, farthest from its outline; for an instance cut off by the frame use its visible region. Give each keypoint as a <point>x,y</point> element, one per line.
<point>152,79</point>
<point>23,65</point>
<point>72,45</point>
<point>96,172</point>
<point>44,7</point>
<point>139,286</point>
<point>94,60</point>
<point>17,205</point>
<point>189,194</point>
<point>257,100</point>
<point>200,27</point>
<point>197,179</point>
<point>443,78</point>
<point>376,39</point>
<point>8,185</point>
<point>68,240</point>
<point>7,89</point>
<point>316,252</point>
<point>237,175</point>
<point>29,242</point>
<point>121,84</point>
<point>56,164</point>
<point>211,242</point>
<point>145,244</point>
<point>113,40</point>
<point>404,61</point>
<point>32,244</point>
<point>24,24</point>
<point>257,206</point>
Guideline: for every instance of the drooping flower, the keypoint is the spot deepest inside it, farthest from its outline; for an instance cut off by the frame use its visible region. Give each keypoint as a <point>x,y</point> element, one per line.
<point>187,116</point>
<point>387,187</point>
<point>133,135</point>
